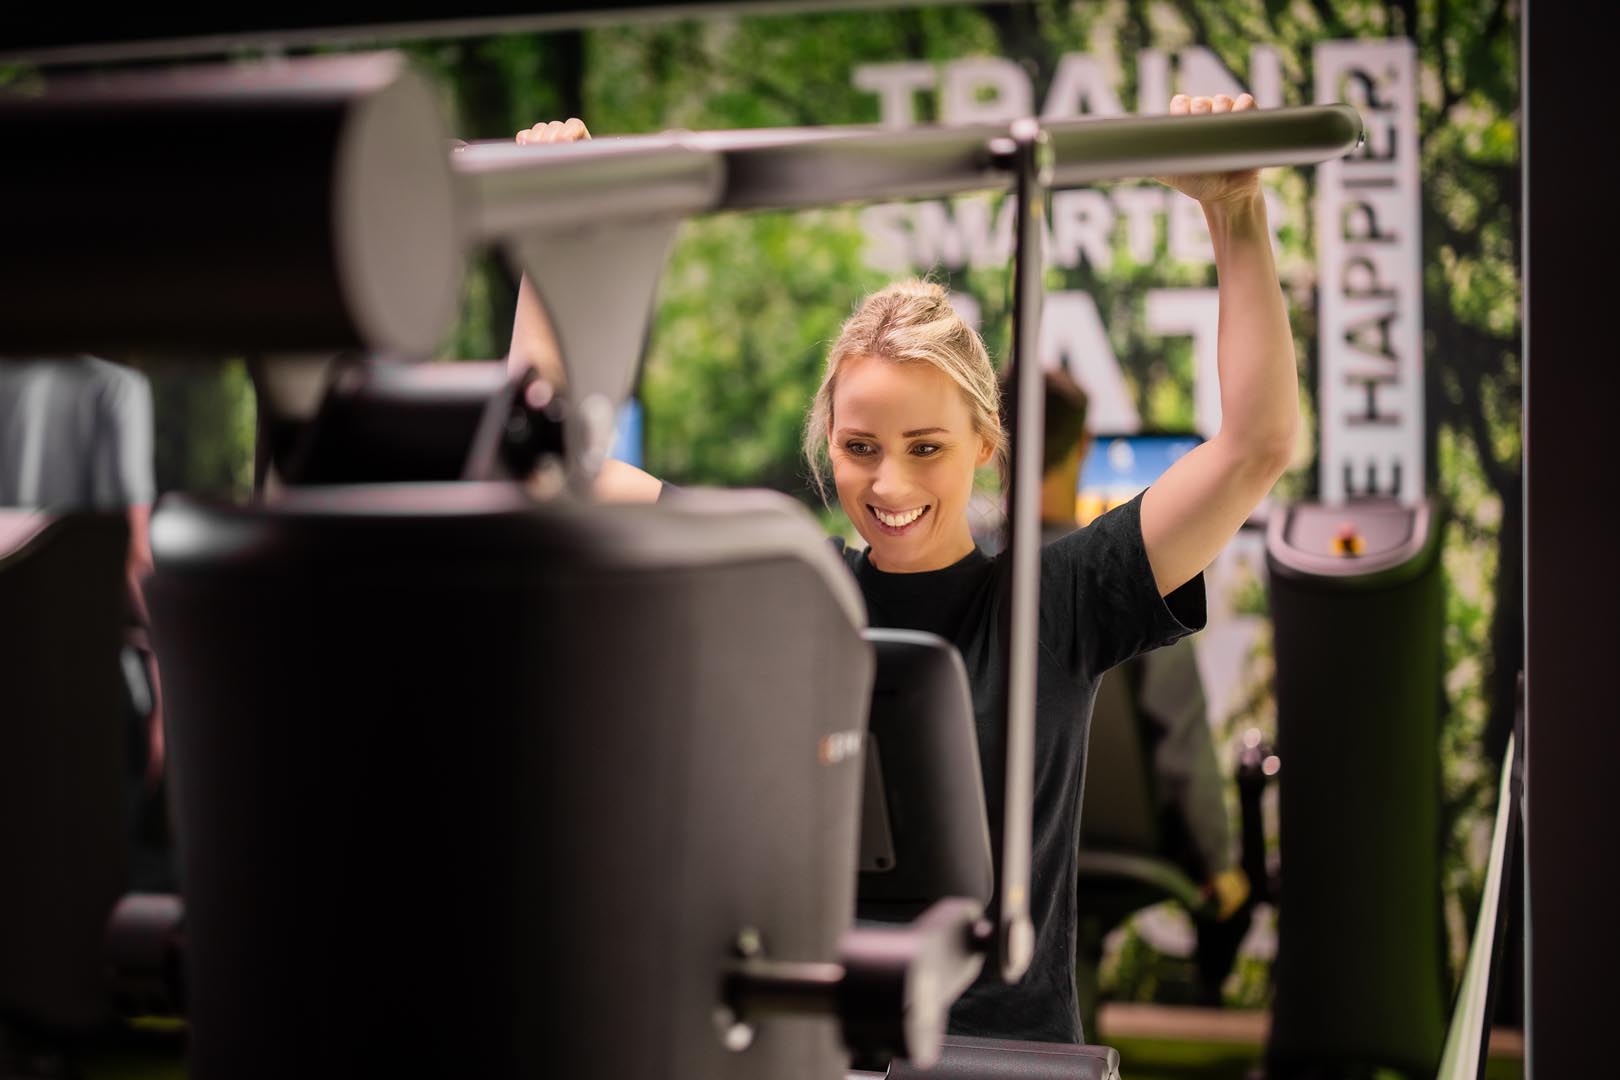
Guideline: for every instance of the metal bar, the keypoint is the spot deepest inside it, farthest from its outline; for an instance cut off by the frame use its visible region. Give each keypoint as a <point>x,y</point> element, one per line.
<point>802,169</point>
<point>801,987</point>
<point>1029,159</point>
<point>684,172</point>
<point>1088,150</point>
<point>792,168</point>
<point>584,184</point>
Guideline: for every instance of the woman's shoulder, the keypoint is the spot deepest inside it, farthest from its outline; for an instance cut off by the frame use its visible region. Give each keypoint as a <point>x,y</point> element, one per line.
<point>1108,550</point>
<point>852,556</point>
<point>1121,526</point>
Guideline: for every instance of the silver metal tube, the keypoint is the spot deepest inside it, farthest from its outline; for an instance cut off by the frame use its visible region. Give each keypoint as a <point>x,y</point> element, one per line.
<point>1029,161</point>
<point>509,189</point>
<point>1088,150</point>
<point>683,172</point>
<point>802,169</point>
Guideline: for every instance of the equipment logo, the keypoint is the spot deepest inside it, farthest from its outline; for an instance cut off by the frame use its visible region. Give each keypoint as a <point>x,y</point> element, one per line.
<point>839,746</point>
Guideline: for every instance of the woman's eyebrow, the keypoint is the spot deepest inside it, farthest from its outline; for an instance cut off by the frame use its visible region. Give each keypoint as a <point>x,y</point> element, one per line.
<point>904,434</point>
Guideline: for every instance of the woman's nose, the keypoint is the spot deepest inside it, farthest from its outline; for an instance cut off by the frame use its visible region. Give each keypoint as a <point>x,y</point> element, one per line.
<point>889,479</point>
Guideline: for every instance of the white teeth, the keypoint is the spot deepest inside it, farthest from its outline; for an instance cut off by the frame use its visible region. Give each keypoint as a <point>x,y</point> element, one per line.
<point>895,521</point>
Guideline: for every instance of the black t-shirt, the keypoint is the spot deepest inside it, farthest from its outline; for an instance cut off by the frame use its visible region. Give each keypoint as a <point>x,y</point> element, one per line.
<point>1099,607</point>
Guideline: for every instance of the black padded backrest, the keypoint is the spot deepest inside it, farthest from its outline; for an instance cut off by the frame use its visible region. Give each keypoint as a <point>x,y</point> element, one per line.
<point>1118,811</point>
<point>467,786</point>
<point>925,832</point>
<point>386,421</point>
<point>62,855</point>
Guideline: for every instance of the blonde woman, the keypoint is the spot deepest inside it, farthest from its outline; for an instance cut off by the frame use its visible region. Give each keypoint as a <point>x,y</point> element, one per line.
<point>908,409</point>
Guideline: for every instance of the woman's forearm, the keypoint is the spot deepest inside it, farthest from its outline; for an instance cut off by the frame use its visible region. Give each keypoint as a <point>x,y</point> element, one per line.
<point>1200,502</point>
<point>1255,346</point>
<point>534,343</point>
<point>620,481</point>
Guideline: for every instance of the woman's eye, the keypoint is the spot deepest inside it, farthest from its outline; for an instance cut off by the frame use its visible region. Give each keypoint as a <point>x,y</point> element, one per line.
<point>858,449</point>
<point>926,449</point>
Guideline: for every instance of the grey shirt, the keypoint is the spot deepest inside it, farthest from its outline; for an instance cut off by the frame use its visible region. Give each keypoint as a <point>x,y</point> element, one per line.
<point>74,434</point>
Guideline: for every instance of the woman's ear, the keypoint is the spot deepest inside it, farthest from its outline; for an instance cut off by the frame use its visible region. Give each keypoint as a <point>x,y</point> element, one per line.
<point>987,450</point>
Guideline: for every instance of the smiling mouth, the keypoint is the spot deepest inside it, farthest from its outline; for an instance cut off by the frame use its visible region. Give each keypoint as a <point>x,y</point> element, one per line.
<point>897,523</point>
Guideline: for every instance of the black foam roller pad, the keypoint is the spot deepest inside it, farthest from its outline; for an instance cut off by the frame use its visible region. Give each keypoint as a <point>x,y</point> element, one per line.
<point>1001,1059</point>
<point>298,204</point>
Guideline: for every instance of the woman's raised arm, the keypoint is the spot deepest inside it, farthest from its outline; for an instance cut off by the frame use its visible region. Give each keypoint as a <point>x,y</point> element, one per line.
<point>535,345</point>
<point>1201,501</point>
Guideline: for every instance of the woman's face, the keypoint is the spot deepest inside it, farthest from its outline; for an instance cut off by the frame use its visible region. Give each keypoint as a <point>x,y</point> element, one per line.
<point>903,451</point>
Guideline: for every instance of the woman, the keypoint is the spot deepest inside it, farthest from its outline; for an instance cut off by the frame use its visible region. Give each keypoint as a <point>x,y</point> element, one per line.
<point>908,409</point>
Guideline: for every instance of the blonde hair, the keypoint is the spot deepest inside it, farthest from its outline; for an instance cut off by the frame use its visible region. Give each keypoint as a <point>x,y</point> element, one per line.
<point>909,322</point>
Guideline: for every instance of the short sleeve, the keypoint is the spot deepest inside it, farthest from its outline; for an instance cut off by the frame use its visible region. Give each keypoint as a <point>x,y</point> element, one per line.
<point>1100,605</point>
<point>850,556</point>
<point>122,464</point>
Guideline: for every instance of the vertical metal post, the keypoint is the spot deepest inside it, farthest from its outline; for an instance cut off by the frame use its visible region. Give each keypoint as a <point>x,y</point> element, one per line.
<point>1028,154</point>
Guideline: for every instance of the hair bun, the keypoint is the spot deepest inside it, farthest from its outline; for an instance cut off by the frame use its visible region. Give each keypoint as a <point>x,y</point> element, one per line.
<point>917,288</point>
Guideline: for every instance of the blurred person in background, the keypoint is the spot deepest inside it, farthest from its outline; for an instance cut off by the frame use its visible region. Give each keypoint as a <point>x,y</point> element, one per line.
<point>76,435</point>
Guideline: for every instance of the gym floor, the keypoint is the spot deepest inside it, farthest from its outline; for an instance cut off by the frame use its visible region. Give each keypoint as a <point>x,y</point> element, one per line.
<point>1158,1042</point>
<point>1155,1042</point>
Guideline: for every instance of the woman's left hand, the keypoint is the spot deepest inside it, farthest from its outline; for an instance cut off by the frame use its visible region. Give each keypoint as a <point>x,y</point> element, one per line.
<point>1210,188</point>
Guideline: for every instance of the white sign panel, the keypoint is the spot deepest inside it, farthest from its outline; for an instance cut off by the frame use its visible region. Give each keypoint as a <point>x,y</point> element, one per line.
<point>1368,213</point>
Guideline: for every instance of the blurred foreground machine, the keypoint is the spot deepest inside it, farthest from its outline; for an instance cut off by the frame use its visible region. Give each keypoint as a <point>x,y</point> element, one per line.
<point>467,784</point>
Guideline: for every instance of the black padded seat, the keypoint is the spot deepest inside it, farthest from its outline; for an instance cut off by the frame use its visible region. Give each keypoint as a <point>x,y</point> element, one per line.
<point>963,1058</point>
<point>63,857</point>
<point>467,785</point>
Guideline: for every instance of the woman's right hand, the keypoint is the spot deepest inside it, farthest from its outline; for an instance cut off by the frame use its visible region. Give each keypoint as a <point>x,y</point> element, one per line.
<point>554,131</point>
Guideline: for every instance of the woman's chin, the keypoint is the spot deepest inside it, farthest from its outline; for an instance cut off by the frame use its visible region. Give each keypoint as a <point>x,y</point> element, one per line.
<point>900,553</point>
